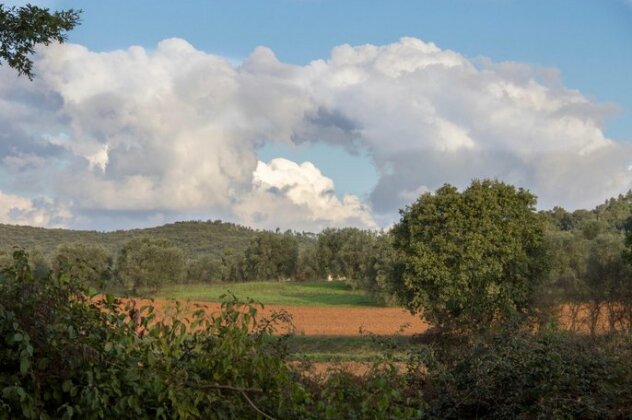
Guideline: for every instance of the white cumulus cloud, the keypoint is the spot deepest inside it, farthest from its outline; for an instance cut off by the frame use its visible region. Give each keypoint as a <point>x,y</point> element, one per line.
<point>18,210</point>
<point>299,196</point>
<point>430,116</point>
<point>175,131</point>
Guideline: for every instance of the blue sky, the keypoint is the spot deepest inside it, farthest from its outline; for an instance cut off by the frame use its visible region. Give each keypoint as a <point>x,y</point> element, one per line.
<point>588,42</point>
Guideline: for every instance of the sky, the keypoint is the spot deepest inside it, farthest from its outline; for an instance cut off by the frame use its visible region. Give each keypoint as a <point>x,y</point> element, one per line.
<point>304,114</point>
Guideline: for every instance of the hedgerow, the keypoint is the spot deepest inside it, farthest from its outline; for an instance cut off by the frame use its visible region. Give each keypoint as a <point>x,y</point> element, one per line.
<point>518,374</point>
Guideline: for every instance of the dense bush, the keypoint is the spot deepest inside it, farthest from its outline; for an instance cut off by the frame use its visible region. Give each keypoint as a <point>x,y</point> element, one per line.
<point>204,269</point>
<point>65,353</point>
<point>521,375</point>
<point>89,263</point>
<point>383,392</point>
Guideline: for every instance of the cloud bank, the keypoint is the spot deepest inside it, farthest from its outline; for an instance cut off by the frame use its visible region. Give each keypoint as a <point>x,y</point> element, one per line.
<point>299,197</point>
<point>19,210</point>
<point>176,131</point>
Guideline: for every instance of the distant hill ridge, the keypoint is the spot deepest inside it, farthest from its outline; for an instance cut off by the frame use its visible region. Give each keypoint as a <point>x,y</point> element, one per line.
<point>215,238</point>
<point>195,238</point>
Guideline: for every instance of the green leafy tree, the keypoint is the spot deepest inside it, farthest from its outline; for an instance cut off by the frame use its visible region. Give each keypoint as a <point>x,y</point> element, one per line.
<point>364,259</point>
<point>471,259</point>
<point>568,255</point>
<point>384,273</point>
<point>23,28</point>
<point>608,283</point>
<point>565,283</point>
<point>615,211</point>
<point>40,265</point>
<point>145,264</point>
<point>346,253</point>
<point>271,256</point>
<point>307,267</point>
<point>204,269</point>
<point>559,218</point>
<point>232,266</point>
<point>89,263</point>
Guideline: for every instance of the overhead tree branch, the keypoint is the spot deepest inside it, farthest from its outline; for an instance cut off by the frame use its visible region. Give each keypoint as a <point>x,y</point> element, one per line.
<point>23,28</point>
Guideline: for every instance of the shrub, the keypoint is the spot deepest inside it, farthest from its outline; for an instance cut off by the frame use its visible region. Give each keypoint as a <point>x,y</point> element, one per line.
<point>68,353</point>
<point>519,375</point>
<point>383,392</point>
<point>65,353</point>
<point>85,262</point>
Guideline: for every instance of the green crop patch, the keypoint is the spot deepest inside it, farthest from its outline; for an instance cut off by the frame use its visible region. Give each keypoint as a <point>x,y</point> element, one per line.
<point>312,293</point>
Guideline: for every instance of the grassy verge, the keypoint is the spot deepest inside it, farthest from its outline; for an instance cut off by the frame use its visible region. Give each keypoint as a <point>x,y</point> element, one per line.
<point>360,349</point>
<point>313,293</point>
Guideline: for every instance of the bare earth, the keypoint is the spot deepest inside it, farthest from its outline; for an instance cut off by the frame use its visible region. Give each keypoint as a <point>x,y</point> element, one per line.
<point>352,321</point>
<point>310,320</point>
<point>355,321</point>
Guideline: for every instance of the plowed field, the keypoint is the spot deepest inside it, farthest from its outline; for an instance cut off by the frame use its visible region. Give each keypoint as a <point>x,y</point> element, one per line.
<point>335,321</point>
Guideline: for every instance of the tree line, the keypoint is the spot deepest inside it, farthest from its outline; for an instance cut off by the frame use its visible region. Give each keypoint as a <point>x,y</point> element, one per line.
<point>147,262</point>
<point>481,265</point>
<point>583,259</point>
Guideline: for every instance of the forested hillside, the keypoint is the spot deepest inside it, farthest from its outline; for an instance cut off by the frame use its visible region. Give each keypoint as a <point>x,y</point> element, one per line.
<point>194,251</point>
<point>195,238</point>
<point>213,238</point>
<point>607,217</point>
<point>578,244</point>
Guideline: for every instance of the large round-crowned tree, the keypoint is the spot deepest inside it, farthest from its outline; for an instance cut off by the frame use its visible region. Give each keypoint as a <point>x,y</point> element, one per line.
<point>470,260</point>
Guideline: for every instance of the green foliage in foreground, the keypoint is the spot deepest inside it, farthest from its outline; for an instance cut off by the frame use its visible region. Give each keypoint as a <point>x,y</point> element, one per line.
<point>64,354</point>
<point>308,293</point>
<point>518,375</point>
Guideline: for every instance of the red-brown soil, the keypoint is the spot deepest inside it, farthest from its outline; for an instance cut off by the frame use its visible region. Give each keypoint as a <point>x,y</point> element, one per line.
<point>350,321</point>
<point>354,321</point>
<point>310,320</point>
